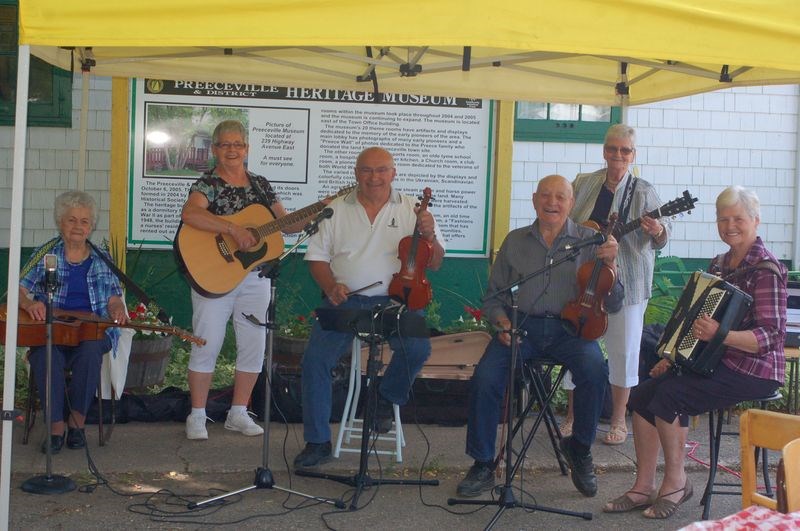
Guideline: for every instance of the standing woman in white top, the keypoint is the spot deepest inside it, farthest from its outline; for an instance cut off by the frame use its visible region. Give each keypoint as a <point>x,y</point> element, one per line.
<point>614,189</point>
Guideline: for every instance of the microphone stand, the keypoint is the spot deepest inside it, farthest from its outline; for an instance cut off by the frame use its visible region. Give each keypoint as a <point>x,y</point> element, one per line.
<point>507,500</point>
<point>49,483</point>
<point>362,479</point>
<point>264,478</point>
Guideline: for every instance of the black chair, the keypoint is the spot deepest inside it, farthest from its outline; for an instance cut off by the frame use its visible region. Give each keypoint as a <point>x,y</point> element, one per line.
<point>104,434</point>
<point>715,434</point>
<point>534,401</point>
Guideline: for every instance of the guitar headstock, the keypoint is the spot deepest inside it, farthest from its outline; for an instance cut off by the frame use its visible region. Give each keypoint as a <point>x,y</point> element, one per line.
<point>685,203</point>
<point>186,336</point>
<point>346,190</point>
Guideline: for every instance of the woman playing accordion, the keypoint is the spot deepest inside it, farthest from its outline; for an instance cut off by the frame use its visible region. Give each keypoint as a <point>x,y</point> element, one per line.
<point>752,364</point>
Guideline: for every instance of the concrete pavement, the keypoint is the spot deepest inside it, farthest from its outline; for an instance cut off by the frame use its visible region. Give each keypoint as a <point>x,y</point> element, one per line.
<point>143,457</point>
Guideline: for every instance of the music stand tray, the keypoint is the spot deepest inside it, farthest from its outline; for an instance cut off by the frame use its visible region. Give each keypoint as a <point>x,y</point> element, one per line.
<point>373,326</point>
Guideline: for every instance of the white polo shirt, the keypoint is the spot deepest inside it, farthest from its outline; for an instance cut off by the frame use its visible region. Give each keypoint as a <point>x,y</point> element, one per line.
<point>360,252</point>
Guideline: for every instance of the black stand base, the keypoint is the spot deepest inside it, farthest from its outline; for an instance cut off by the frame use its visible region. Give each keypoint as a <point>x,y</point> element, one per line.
<point>507,500</point>
<point>264,480</point>
<point>362,481</point>
<point>52,484</point>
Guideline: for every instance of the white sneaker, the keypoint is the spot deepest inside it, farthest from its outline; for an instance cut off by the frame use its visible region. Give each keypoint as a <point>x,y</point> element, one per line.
<point>196,427</point>
<point>243,423</point>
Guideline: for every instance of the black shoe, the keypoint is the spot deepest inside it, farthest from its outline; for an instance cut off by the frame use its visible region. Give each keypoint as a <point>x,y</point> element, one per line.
<point>582,468</point>
<point>479,479</point>
<point>313,454</point>
<point>56,444</point>
<point>76,438</point>
<point>384,416</point>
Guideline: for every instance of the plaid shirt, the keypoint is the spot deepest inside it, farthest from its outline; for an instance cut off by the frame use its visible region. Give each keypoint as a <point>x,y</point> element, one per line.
<point>766,318</point>
<point>102,282</point>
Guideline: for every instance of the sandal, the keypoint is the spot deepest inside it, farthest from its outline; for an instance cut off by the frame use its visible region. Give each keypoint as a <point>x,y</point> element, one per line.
<point>664,508</point>
<point>616,435</point>
<point>624,503</point>
<point>565,428</point>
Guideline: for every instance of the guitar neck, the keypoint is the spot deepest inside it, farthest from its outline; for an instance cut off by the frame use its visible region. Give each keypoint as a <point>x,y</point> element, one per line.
<point>298,215</point>
<point>289,219</point>
<point>630,226</point>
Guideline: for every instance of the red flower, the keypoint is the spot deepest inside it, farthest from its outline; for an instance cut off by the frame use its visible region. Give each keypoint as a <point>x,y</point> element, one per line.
<point>474,312</point>
<point>301,318</point>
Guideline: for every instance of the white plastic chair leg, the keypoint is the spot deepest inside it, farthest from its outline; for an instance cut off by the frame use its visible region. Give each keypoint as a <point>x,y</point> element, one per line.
<point>350,426</point>
<point>350,405</point>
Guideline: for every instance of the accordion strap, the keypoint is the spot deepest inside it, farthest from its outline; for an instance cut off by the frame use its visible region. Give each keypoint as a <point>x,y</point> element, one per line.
<point>769,265</point>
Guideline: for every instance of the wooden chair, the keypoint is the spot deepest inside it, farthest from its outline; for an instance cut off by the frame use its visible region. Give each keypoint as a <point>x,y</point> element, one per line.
<point>791,464</point>
<point>763,429</point>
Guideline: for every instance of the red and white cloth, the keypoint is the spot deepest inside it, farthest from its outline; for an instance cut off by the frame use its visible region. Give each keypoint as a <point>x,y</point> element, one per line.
<point>754,517</point>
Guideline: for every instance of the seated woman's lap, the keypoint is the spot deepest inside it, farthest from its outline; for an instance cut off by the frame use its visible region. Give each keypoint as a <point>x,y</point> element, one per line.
<point>689,394</point>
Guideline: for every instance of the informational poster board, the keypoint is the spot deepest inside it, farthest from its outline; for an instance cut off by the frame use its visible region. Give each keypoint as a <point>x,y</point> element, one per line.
<point>305,142</point>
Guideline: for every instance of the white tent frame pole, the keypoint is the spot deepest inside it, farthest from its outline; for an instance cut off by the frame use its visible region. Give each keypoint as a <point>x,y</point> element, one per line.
<point>14,244</point>
<point>84,126</point>
<point>796,244</point>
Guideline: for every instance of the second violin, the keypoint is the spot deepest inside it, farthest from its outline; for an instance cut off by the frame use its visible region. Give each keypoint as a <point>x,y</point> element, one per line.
<point>409,285</point>
<point>587,314</point>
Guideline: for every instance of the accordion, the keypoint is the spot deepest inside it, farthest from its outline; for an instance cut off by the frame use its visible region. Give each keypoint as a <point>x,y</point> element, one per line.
<point>703,294</point>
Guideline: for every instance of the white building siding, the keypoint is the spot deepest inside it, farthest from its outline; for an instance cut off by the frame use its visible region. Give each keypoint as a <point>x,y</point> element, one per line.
<point>51,166</point>
<point>702,143</point>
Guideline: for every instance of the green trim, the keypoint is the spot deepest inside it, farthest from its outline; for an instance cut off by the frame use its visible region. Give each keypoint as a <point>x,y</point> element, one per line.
<point>487,210</point>
<point>574,131</point>
<point>54,113</point>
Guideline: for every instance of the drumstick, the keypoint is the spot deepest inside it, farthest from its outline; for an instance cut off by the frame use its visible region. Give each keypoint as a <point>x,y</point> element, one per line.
<point>359,290</point>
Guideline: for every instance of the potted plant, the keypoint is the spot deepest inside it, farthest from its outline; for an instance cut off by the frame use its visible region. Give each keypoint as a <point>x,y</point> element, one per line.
<point>150,350</point>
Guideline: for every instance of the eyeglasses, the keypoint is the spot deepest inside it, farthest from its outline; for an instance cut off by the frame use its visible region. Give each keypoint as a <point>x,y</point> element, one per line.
<point>228,145</point>
<point>381,170</point>
<point>615,149</point>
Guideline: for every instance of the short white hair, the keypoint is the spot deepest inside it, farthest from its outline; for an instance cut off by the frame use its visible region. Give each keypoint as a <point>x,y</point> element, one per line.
<point>739,195</point>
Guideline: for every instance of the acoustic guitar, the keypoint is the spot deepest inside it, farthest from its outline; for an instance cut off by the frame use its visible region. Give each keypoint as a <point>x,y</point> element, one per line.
<point>211,262</point>
<point>72,327</point>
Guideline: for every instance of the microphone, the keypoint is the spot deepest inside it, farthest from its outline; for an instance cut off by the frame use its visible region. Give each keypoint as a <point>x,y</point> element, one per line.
<point>313,227</point>
<point>50,267</point>
<point>597,239</point>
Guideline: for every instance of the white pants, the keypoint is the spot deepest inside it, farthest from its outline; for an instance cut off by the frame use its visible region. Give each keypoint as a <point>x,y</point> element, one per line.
<point>623,341</point>
<point>210,318</point>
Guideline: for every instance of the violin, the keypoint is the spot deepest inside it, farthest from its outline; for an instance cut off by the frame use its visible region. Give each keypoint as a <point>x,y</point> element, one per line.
<point>587,315</point>
<point>409,285</point>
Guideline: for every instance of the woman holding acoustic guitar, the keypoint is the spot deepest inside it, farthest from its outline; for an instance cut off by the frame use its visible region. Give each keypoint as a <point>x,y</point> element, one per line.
<point>227,189</point>
<point>83,282</point>
<point>614,189</point>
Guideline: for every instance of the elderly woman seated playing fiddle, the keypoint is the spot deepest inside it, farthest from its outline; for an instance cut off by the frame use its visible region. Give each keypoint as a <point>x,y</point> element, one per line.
<point>84,283</point>
<point>752,365</point>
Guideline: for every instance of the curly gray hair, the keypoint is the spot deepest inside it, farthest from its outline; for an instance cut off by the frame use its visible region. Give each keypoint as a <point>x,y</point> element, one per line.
<point>74,199</point>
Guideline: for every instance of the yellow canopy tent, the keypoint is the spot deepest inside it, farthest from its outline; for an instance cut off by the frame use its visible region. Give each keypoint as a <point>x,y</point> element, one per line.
<point>578,51</point>
<point>583,51</point>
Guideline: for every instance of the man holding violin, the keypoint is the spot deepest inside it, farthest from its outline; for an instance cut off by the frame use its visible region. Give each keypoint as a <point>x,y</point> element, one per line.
<point>541,300</point>
<point>352,258</point>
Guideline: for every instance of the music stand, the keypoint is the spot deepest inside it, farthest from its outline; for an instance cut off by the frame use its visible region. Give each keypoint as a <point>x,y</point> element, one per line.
<point>264,478</point>
<point>373,326</point>
<point>507,500</point>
